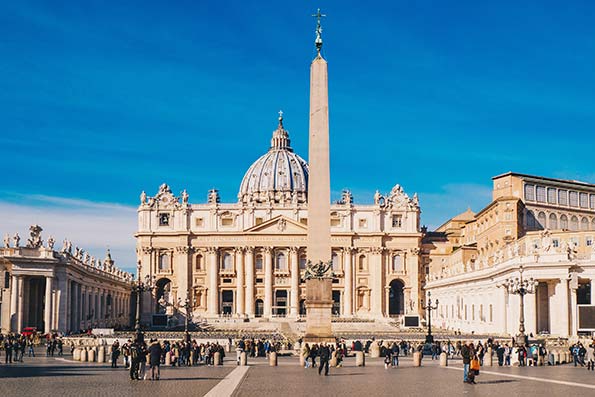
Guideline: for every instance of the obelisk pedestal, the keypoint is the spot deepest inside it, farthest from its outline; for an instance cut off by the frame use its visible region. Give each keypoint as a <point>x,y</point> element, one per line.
<point>319,311</point>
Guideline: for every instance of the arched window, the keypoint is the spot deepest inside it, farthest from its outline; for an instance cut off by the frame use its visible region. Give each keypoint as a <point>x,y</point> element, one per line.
<point>593,224</point>
<point>397,263</point>
<point>361,263</point>
<point>584,224</point>
<point>335,259</point>
<point>281,262</point>
<point>303,261</point>
<point>564,222</point>
<point>164,262</point>
<point>574,223</point>
<point>227,261</point>
<point>258,263</point>
<point>198,262</point>
<point>541,220</point>
<point>553,222</point>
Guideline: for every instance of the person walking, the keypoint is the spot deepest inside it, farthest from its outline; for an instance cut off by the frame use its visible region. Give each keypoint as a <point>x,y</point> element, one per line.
<point>325,355</point>
<point>590,356</point>
<point>466,355</point>
<point>306,355</point>
<point>395,354</point>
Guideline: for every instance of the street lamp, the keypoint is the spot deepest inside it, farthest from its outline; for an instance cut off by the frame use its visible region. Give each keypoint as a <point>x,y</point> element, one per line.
<point>139,287</point>
<point>429,307</point>
<point>521,287</point>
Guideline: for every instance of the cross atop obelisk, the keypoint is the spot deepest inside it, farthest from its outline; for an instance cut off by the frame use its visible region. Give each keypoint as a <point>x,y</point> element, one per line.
<point>318,40</point>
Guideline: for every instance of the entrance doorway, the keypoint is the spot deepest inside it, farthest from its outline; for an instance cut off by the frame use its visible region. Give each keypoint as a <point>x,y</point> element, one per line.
<point>226,302</point>
<point>259,308</point>
<point>396,301</point>
<point>280,308</point>
<point>336,303</point>
<point>543,308</point>
<point>302,307</point>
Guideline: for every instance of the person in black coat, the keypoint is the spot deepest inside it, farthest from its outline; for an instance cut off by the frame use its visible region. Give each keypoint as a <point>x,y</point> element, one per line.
<point>325,356</point>
<point>155,353</point>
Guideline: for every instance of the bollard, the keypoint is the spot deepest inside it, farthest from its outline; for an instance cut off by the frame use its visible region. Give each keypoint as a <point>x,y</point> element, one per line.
<point>374,350</point>
<point>168,358</point>
<point>302,360</point>
<point>360,359</point>
<point>243,359</point>
<point>84,355</point>
<point>101,354</point>
<point>76,354</point>
<point>228,347</point>
<point>217,358</point>
<point>488,359</point>
<point>273,359</point>
<point>91,355</point>
<point>417,359</point>
<point>443,360</point>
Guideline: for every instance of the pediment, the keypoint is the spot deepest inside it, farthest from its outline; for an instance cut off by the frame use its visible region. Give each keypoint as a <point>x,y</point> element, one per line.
<point>278,225</point>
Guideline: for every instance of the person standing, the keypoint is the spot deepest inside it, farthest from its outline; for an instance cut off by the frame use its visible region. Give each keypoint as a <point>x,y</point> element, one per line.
<point>325,355</point>
<point>395,354</point>
<point>155,352</point>
<point>135,354</point>
<point>466,355</point>
<point>591,357</point>
<point>115,354</point>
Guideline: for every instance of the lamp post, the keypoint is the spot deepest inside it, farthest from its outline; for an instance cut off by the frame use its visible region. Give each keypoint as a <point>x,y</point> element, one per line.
<point>139,287</point>
<point>521,287</point>
<point>429,307</point>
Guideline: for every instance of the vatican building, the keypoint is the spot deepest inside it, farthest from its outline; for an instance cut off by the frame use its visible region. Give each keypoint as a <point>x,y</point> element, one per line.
<point>247,259</point>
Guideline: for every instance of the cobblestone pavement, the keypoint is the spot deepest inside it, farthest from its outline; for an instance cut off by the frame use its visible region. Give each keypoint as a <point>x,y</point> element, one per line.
<point>61,377</point>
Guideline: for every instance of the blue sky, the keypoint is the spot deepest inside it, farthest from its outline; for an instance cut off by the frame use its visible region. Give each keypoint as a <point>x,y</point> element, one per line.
<point>102,100</point>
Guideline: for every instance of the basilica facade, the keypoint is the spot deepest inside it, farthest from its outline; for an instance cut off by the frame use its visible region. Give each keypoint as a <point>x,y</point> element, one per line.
<point>248,258</point>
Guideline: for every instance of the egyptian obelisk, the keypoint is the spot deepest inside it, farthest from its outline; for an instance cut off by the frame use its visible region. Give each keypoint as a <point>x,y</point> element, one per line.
<point>319,300</point>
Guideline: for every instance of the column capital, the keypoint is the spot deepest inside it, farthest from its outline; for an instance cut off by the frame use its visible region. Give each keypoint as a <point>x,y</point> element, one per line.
<point>268,250</point>
<point>212,250</point>
<point>294,250</point>
<point>249,250</point>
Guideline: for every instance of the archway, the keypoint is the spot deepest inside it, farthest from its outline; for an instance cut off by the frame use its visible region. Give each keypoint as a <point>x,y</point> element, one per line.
<point>259,308</point>
<point>396,300</point>
<point>226,302</point>
<point>163,296</point>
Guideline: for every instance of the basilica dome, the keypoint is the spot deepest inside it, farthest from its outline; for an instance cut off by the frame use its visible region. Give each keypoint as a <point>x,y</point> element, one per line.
<point>279,176</point>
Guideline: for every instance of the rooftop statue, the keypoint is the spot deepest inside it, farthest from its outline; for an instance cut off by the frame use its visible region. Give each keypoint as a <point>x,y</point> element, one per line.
<point>17,240</point>
<point>35,240</point>
<point>319,270</point>
<point>7,240</point>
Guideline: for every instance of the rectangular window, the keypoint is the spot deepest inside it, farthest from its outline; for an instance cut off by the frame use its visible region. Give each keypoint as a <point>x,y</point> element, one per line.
<point>573,199</point>
<point>199,222</point>
<point>563,197</point>
<point>335,221</point>
<point>363,223</point>
<point>592,201</point>
<point>555,243</point>
<point>397,220</point>
<point>589,241</point>
<point>551,195</point>
<point>226,221</point>
<point>304,221</point>
<point>258,221</point>
<point>540,194</point>
<point>163,219</point>
<point>530,192</point>
<point>584,200</point>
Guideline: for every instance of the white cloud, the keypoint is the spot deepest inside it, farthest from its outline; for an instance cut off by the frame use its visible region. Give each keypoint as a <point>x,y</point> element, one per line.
<point>91,226</point>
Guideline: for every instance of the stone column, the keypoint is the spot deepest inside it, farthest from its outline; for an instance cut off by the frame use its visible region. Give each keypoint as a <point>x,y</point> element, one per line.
<point>376,272</point>
<point>47,310</point>
<point>14,303</point>
<point>63,304</point>
<point>573,308</point>
<point>560,305</point>
<point>20,304</point>
<point>268,282</point>
<point>240,282</point>
<point>213,292</point>
<point>295,282</point>
<point>249,268</point>
<point>348,292</point>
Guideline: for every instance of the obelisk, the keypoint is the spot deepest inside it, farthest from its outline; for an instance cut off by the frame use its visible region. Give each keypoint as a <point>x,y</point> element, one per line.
<point>319,300</point>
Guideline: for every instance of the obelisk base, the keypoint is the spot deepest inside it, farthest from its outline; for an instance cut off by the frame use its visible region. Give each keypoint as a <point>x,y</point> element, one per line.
<point>319,305</point>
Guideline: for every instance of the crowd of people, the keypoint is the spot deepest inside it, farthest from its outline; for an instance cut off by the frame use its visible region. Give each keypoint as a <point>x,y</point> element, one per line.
<point>17,346</point>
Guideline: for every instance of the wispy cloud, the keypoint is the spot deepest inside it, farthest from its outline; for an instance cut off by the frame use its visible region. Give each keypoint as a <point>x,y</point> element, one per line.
<point>89,225</point>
